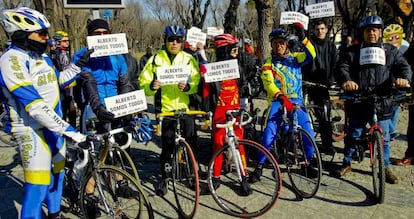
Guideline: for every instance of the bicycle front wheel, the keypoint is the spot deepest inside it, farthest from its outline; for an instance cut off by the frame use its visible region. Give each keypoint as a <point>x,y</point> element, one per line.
<point>229,196</point>
<point>185,180</point>
<point>125,162</point>
<point>109,192</point>
<point>378,166</point>
<point>304,174</point>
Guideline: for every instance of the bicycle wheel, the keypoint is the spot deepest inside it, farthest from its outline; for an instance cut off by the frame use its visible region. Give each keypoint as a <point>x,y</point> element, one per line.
<point>378,166</point>
<point>125,162</point>
<point>304,175</point>
<point>265,192</point>
<point>313,116</point>
<point>111,192</point>
<point>185,180</point>
<point>6,138</point>
<point>338,120</point>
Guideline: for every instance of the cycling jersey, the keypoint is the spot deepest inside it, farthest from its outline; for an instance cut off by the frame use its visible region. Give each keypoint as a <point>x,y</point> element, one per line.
<point>31,86</point>
<point>169,97</point>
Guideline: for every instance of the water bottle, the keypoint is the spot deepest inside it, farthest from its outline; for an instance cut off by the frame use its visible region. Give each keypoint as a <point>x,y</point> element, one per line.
<point>79,168</point>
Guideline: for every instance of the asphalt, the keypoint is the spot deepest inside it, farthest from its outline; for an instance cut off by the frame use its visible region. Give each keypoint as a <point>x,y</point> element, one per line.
<point>346,197</point>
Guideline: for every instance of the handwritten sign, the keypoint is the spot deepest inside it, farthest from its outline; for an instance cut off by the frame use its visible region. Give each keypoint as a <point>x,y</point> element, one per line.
<point>125,104</point>
<point>173,74</point>
<point>195,35</point>
<point>372,55</point>
<point>290,17</point>
<point>214,31</point>
<point>325,9</point>
<point>109,44</point>
<point>224,70</point>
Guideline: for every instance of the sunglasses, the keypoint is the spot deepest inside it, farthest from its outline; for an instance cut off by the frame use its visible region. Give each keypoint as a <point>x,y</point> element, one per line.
<point>172,39</point>
<point>94,33</point>
<point>42,32</point>
<point>393,37</point>
<point>64,41</point>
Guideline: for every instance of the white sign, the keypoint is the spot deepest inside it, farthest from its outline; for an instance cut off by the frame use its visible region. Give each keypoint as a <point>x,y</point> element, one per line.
<point>224,70</point>
<point>214,31</point>
<point>290,17</point>
<point>173,74</point>
<point>108,44</point>
<point>325,9</point>
<point>372,55</point>
<point>125,104</point>
<point>195,35</point>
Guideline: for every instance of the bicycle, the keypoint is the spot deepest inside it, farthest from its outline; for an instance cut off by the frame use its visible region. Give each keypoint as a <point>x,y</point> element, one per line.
<point>289,149</point>
<point>267,190</point>
<point>105,189</point>
<point>183,168</point>
<point>373,139</point>
<point>5,136</point>
<point>332,111</point>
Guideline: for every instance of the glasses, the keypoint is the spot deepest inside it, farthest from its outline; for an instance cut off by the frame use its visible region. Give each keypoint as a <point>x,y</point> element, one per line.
<point>94,33</point>
<point>64,41</point>
<point>172,39</point>
<point>396,37</point>
<point>42,32</point>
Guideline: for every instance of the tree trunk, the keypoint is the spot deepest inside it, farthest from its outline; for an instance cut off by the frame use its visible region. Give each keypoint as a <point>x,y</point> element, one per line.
<point>230,18</point>
<point>265,25</point>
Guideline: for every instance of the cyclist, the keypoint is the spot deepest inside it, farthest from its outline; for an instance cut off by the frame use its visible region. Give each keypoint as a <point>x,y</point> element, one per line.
<point>171,97</point>
<point>321,71</point>
<point>225,95</point>
<point>371,76</point>
<point>61,60</point>
<point>30,84</point>
<point>282,79</point>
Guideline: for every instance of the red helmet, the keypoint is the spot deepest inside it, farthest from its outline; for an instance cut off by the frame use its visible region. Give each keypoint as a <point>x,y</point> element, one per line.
<point>224,40</point>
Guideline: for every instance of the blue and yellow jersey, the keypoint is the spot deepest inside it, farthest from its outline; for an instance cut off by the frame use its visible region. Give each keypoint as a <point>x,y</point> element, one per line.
<point>284,76</point>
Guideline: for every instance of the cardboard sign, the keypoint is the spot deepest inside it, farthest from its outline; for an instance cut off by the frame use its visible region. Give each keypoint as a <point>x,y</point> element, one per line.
<point>219,71</point>
<point>195,35</point>
<point>173,74</point>
<point>125,104</point>
<point>325,9</point>
<point>109,44</point>
<point>214,31</point>
<point>290,17</point>
<point>372,55</point>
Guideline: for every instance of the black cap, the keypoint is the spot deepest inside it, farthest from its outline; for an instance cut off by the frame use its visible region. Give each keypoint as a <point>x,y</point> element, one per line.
<point>96,24</point>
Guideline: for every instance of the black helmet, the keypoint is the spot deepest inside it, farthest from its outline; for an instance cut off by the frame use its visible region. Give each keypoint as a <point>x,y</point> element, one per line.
<point>278,33</point>
<point>371,21</point>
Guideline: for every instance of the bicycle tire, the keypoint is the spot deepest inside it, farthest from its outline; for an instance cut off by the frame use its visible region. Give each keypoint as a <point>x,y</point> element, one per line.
<point>378,166</point>
<point>6,138</point>
<point>304,177</point>
<point>125,161</point>
<point>265,192</point>
<point>133,204</point>
<point>185,180</point>
<point>313,117</point>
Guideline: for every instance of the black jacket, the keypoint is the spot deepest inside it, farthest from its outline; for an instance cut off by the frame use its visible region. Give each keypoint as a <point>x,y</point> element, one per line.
<point>373,79</point>
<point>321,70</point>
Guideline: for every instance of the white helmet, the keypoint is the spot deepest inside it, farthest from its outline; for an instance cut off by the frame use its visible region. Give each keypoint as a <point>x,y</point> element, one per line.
<point>23,18</point>
<point>248,41</point>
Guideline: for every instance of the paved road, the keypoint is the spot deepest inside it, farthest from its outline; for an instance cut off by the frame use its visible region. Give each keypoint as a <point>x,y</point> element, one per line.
<point>348,197</point>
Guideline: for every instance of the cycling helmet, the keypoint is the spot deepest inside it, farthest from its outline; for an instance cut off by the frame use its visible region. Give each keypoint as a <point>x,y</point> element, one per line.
<point>394,29</point>
<point>174,30</point>
<point>278,33</point>
<point>51,42</point>
<point>371,21</point>
<point>25,19</point>
<point>143,129</point>
<point>60,34</point>
<point>224,39</point>
<point>248,41</point>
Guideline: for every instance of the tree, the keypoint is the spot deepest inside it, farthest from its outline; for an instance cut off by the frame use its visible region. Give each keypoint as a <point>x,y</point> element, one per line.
<point>193,13</point>
<point>230,17</point>
<point>265,25</point>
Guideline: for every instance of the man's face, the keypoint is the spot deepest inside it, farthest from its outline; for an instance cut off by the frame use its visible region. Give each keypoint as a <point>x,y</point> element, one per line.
<point>372,34</point>
<point>173,44</point>
<point>40,35</point>
<point>279,46</point>
<point>320,31</point>
<point>64,42</point>
<point>395,40</point>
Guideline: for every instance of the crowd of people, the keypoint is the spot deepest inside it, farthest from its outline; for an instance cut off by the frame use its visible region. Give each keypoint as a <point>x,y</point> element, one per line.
<point>44,90</point>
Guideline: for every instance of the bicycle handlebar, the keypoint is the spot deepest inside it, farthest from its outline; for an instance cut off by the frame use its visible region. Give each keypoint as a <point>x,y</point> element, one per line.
<point>231,118</point>
<point>107,136</point>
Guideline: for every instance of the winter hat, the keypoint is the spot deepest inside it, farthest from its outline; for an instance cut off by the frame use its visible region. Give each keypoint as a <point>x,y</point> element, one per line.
<point>96,24</point>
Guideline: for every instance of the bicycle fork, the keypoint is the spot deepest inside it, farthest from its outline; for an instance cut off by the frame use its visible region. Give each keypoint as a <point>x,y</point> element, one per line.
<point>237,159</point>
